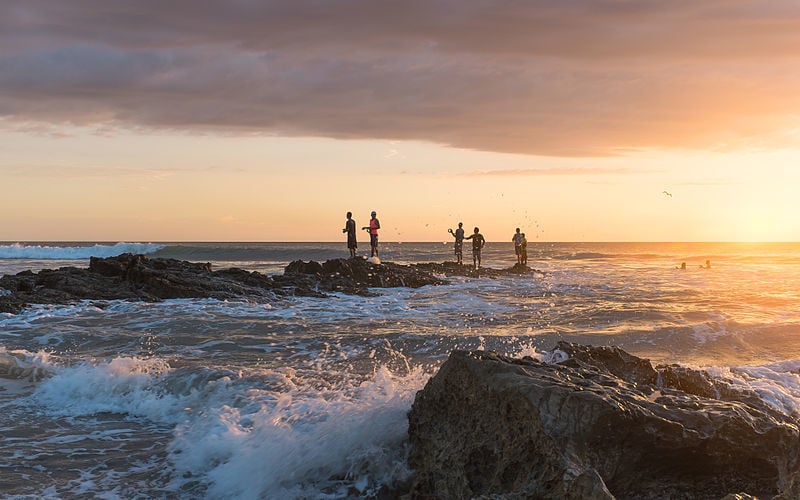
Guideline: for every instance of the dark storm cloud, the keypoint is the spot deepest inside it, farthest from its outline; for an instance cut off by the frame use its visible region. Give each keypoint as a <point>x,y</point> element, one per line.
<point>562,77</point>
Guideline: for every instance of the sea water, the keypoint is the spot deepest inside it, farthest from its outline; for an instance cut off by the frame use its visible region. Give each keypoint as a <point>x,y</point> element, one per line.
<point>307,397</point>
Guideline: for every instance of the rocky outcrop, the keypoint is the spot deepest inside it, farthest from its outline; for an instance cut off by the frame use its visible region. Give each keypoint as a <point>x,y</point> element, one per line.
<point>356,275</point>
<point>136,277</point>
<point>600,423</point>
<point>456,269</point>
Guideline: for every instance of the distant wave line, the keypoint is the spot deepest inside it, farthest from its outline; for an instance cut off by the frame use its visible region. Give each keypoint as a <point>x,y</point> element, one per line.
<point>46,252</point>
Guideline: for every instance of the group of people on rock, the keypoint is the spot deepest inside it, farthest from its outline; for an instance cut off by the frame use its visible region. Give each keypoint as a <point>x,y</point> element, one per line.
<point>372,229</point>
<point>478,241</point>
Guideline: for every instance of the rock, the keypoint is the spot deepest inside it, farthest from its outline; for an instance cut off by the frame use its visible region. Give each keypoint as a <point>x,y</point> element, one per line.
<point>355,275</point>
<point>108,267</point>
<point>456,269</point>
<point>611,359</point>
<point>300,267</point>
<point>596,425</point>
<point>136,277</point>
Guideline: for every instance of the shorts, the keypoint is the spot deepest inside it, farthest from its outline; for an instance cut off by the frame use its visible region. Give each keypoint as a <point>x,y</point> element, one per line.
<point>459,248</point>
<point>373,239</point>
<point>352,242</point>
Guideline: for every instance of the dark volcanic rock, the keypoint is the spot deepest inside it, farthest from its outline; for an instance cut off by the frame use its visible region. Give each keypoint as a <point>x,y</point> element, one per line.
<point>356,275</point>
<point>136,277</point>
<point>133,277</point>
<point>597,425</point>
<point>456,269</point>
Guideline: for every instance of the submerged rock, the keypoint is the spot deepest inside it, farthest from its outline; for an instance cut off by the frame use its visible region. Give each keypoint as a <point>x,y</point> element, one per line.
<point>599,424</point>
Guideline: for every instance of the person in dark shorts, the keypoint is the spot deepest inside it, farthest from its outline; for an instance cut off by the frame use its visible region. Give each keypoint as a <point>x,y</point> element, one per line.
<point>517,239</point>
<point>350,229</point>
<point>373,227</point>
<point>458,248</point>
<point>478,241</point>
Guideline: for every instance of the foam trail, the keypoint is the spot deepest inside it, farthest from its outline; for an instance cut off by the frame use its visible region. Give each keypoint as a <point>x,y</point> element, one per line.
<point>298,444</point>
<point>777,384</point>
<point>126,385</point>
<point>20,251</point>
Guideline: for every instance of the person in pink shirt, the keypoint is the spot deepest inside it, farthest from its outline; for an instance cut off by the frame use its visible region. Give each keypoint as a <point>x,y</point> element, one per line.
<point>374,225</point>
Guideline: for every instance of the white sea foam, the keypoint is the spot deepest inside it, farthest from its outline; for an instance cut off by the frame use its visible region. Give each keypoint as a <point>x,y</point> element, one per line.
<point>311,441</point>
<point>45,252</point>
<point>778,384</point>
<point>125,385</point>
<point>711,330</point>
<point>18,368</point>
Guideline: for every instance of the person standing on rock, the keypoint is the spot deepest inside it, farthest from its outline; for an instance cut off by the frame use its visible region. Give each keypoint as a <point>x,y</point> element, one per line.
<point>458,234</point>
<point>517,239</point>
<point>350,229</point>
<point>524,250</point>
<point>478,241</point>
<point>374,225</point>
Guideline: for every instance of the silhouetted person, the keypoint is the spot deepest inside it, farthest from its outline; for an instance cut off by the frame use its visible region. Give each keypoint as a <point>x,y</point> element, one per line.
<point>350,229</point>
<point>478,241</point>
<point>373,227</point>
<point>458,248</point>
<point>683,266</point>
<point>524,250</point>
<point>517,239</point>
<point>708,264</point>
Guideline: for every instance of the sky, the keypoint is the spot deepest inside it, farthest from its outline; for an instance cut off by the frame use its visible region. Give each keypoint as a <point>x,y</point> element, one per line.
<point>245,120</point>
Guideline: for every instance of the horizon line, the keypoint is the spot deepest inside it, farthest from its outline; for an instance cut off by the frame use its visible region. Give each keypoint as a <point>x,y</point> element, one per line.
<point>13,242</point>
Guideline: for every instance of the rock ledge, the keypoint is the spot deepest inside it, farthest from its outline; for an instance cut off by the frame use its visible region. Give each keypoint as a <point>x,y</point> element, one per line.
<point>599,424</point>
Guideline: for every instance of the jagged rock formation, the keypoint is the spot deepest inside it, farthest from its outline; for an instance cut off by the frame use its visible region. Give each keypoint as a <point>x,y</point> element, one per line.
<point>355,275</point>
<point>599,424</point>
<point>136,277</point>
<point>456,269</point>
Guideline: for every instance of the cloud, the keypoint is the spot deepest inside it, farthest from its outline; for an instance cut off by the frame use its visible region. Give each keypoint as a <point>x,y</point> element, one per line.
<point>559,171</point>
<point>89,172</point>
<point>571,78</point>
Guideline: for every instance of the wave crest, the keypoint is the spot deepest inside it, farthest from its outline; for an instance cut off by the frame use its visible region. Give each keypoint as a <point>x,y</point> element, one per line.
<point>21,251</point>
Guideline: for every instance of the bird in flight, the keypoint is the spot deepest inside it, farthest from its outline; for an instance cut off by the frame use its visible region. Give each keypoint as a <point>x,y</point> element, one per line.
<point>668,194</point>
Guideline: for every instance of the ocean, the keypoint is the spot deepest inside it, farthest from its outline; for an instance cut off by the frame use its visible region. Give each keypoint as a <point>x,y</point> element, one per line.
<point>307,397</point>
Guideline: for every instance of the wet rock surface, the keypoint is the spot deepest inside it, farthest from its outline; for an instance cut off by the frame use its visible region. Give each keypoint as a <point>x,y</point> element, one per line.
<point>600,423</point>
<point>467,270</point>
<point>357,275</point>
<point>136,277</point>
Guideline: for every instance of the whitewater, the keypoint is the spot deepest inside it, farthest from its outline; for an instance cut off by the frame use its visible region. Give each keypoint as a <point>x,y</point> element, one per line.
<point>307,397</point>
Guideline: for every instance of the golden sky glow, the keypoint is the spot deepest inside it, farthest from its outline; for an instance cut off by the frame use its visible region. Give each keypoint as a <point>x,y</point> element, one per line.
<point>568,119</point>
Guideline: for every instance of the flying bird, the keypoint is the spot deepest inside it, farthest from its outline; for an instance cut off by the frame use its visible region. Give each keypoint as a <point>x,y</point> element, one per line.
<point>668,194</point>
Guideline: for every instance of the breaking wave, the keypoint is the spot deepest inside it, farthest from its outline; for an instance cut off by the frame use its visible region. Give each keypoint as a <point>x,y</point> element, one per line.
<point>77,252</point>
